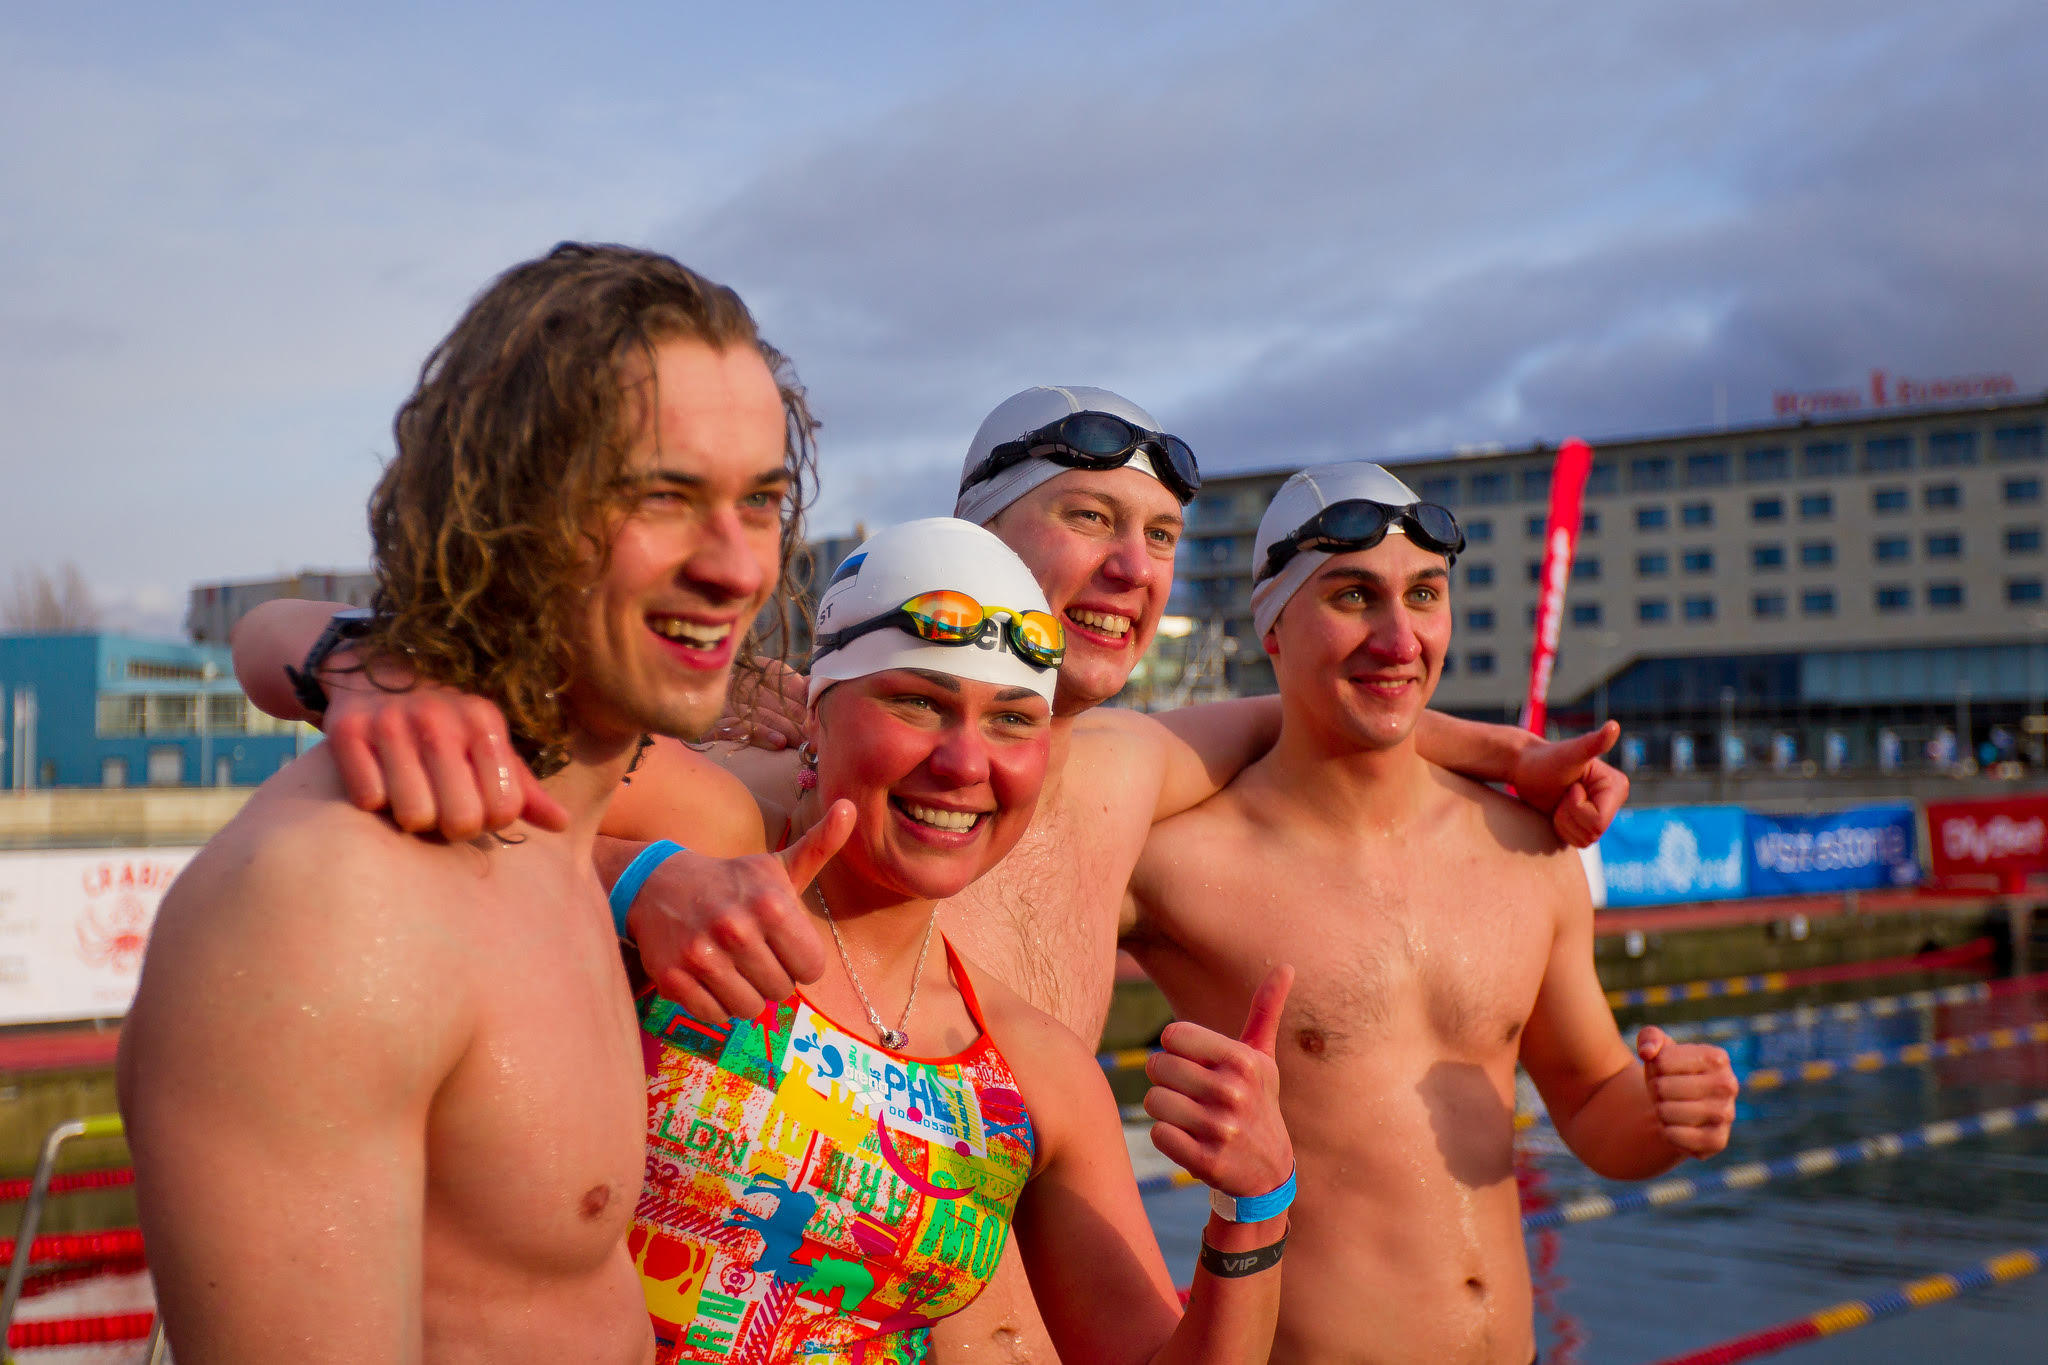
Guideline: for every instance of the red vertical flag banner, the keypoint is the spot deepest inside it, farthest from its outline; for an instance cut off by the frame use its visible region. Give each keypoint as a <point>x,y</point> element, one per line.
<point>1560,542</point>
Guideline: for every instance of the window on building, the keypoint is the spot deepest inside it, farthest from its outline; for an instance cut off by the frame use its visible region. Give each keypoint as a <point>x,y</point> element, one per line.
<point>1885,501</point>
<point>1653,611</point>
<point>1537,526</point>
<point>1649,473</point>
<point>1535,485</point>
<point>2023,592</point>
<point>1707,469</point>
<point>1589,523</point>
<point>1894,597</point>
<point>1823,458</point>
<point>1654,564</point>
<point>1881,453</point>
<point>1531,621</point>
<point>123,713</point>
<point>1817,602</point>
<point>1816,506</point>
<point>1442,490</point>
<point>1816,554</point>
<point>1490,487</point>
<point>227,714</point>
<point>1699,608</point>
<point>1477,532</point>
<point>1479,619</point>
<point>1767,509</point>
<point>1697,514</point>
<point>1944,545</point>
<point>2022,492</point>
<point>1941,496</point>
<point>1764,558</point>
<point>166,765</point>
<point>1654,517</point>
<point>1479,661</point>
<point>1944,596</point>
<point>1699,561</point>
<point>1603,477</point>
<point>1767,605</point>
<point>173,713</point>
<point>1478,575</point>
<point>1585,613</point>
<point>2023,540</point>
<point>1586,569</point>
<point>1951,448</point>
<point>1766,464</point>
<point>1535,571</point>
<point>2017,443</point>
<point>1450,665</point>
<point>1891,549</point>
<point>113,772</point>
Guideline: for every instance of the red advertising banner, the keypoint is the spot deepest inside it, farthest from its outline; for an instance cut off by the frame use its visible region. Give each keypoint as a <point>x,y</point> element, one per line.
<point>1560,541</point>
<point>2005,839</point>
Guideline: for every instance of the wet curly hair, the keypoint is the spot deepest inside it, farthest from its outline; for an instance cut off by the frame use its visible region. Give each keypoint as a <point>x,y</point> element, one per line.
<point>509,455</point>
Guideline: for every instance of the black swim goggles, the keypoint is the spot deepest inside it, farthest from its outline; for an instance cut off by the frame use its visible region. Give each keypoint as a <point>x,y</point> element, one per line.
<point>1096,440</point>
<point>950,617</point>
<point>1356,524</point>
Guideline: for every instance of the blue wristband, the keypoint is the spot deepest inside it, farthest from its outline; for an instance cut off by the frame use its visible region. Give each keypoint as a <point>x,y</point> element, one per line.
<point>635,876</point>
<point>1254,1208</point>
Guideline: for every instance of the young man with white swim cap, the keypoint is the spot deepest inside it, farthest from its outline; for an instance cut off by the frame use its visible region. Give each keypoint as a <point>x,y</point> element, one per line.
<point>1094,508</point>
<point>1453,938</point>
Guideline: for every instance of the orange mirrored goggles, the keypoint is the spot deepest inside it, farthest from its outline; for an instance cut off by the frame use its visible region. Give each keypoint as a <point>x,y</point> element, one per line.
<point>947,617</point>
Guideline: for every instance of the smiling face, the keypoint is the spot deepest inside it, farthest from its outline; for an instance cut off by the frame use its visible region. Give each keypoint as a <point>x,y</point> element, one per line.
<point>944,773</point>
<point>695,549</point>
<point>1101,543</point>
<point>1359,647</point>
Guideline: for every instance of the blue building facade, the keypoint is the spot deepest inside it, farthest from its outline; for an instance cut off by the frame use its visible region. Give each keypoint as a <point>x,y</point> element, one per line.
<point>116,711</point>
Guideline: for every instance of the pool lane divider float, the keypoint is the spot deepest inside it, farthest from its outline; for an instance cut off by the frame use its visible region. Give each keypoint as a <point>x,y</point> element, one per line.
<point>1767,983</point>
<point>1797,1166</point>
<point>1908,1054</point>
<point>1963,955</point>
<point>1876,1007</point>
<point>1843,1317</point>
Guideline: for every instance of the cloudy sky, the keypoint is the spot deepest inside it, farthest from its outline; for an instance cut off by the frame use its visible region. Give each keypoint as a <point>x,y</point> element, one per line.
<point>228,237</point>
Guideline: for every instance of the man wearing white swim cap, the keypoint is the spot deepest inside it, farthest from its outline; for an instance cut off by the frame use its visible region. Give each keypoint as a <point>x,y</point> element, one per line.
<point>1453,935</point>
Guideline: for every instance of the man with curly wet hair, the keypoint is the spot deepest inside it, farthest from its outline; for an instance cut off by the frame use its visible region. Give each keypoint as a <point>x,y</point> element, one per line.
<point>385,1093</point>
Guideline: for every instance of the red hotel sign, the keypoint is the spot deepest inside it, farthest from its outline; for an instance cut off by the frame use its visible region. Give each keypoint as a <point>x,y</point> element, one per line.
<point>2005,839</point>
<point>1890,391</point>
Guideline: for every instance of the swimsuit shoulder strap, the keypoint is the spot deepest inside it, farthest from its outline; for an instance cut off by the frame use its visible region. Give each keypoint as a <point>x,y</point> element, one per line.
<point>958,966</point>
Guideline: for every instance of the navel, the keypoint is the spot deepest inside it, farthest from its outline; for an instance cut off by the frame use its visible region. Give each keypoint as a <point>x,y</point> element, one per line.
<point>596,1200</point>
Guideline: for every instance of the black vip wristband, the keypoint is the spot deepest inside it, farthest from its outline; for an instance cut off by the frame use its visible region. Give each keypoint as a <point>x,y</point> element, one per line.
<point>1235,1265</point>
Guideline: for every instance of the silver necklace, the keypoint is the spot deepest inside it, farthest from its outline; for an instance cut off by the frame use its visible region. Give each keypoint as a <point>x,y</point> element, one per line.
<point>895,1038</point>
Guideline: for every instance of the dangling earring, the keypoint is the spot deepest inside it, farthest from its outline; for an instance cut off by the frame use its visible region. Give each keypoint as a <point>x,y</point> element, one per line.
<point>807,775</point>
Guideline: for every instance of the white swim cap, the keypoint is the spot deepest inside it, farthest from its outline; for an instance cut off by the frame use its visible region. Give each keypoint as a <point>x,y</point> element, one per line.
<point>1023,413</point>
<point>895,565</point>
<point>1300,498</point>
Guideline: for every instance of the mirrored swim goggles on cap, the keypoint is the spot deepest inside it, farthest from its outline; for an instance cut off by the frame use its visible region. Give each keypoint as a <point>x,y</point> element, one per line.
<point>1096,440</point>
<point>1357,524</point>
<point>947,617</point>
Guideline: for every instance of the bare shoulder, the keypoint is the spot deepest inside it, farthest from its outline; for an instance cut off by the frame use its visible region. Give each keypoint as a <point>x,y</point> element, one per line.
<point>304,904</point>
<point>1056,1072</point>
<point>1499,824</point>
<point>696,798</point>
<point>1113,741</point>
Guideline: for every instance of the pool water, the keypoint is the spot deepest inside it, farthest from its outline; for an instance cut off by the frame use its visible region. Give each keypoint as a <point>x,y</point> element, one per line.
<point>1640,1287</point>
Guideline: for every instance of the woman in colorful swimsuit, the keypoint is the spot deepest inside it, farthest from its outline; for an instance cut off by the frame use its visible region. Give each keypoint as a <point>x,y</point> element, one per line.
<point>827,1179</point>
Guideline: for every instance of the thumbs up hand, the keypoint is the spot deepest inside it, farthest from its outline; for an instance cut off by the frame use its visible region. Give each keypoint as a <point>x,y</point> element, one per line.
<point>724,936</point>
<point>1216,1100</point>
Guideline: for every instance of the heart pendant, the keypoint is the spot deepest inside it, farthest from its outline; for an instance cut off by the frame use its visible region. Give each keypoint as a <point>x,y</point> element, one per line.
<point>895,1038</point>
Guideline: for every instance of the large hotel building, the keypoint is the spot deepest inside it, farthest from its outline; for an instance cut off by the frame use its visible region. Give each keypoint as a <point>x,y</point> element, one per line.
<point>1863,592</point>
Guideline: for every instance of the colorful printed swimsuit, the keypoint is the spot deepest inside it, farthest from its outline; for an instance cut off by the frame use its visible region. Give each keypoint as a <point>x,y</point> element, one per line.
<point>812,1196</point>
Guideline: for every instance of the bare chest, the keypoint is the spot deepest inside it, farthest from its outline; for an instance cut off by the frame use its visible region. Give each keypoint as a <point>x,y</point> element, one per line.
<point>1044,920</point>
<point>1448,956</point>
<point>536,1140</point>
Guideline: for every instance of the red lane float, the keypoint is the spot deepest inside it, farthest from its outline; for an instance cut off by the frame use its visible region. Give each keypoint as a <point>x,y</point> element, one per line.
<point>29,1336</point>
<point>13,1191</point>
<point>113,1245</point>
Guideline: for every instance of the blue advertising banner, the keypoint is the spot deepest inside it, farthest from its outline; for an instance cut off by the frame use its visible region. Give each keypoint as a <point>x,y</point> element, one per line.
<point>1870,846</point>
<point>1663,856</point>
